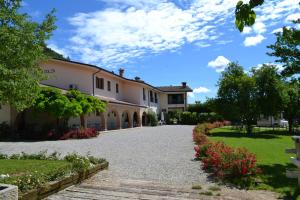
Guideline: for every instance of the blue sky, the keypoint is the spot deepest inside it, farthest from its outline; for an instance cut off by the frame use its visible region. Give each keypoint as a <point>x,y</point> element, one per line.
<point>164,42</point>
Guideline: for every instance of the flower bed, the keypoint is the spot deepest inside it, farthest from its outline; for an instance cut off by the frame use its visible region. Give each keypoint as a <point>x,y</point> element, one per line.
<point>39,182</point>
<point>235,165</point>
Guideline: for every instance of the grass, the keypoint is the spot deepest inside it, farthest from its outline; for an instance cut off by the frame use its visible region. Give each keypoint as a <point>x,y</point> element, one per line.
<point>269,147</point>
<point>17,167</point>
<point>196,187</point>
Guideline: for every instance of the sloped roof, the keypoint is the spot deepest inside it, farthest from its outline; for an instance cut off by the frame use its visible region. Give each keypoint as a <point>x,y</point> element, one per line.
<point>175,88</point>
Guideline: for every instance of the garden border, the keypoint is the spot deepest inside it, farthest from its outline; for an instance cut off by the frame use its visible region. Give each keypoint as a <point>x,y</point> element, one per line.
<point>56,186</point>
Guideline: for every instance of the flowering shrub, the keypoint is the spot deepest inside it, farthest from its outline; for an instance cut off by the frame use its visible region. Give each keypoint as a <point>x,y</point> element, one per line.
<point>79,133</point>
<point>237,165</point>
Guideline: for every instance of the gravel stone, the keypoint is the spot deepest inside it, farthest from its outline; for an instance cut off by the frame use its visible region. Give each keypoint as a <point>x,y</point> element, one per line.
<point>163,154</point>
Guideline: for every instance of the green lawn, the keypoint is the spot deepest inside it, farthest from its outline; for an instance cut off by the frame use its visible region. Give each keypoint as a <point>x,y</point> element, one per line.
<point>269,147</point>
<point>17,167</point>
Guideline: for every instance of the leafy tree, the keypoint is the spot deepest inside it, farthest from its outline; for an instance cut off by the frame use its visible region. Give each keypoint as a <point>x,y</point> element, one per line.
<point>236,96</point>
<point>21,51</point>
<point>287,49</point>
<point>244,13</point>
<point>291,102</point>
<point>269,87</point>
<point>199,107</point>
<point>53,54</point>
<point>53,102</point>
<point>87,103</point>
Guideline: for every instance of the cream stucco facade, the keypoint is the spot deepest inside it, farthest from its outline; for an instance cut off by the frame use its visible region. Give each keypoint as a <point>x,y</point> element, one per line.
<point>128,100</point>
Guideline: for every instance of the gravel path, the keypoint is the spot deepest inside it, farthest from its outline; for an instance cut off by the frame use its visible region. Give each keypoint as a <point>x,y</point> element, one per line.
<point>162,154</point>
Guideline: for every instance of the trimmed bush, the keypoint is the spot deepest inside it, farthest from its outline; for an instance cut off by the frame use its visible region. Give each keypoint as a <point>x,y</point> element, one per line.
<point>153,120</point>
<point>236,165</point>
<point>80,134</point>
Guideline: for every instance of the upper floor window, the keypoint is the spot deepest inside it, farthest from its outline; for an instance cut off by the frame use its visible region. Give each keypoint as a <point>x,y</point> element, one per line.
<point>155,97</point>
<point>175,98</point>
<point>151,96</point>
<point>108,86</point>
<point>117,88</point>
<point>144,94</point>
<point>100,83</point>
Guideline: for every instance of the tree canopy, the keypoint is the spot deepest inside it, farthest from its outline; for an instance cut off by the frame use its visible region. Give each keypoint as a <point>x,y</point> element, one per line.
<point>21,51</point>
<point>287,49</point>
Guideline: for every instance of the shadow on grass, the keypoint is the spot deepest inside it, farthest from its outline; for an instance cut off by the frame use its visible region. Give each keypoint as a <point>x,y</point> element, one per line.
<point>275,176</point>
<point>261,135</point>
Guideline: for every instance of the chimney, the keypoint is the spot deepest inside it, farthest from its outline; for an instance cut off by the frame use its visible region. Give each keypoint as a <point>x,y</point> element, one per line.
<point>137,78</point>
<point>121,72</point>
<point>183,84</point>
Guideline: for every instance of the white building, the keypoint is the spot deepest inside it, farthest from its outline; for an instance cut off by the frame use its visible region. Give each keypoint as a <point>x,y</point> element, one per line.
<point>129,100</point>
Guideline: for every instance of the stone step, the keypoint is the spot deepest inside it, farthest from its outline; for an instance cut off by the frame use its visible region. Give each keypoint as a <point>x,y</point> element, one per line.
<point>127,189</point>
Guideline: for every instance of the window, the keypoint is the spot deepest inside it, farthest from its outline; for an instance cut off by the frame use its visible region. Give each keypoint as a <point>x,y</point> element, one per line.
<point>99,83</point>
<point>155,97</point>
<point>117,88</point>
<point>144,94</point>
<point>175,99</point>
<point>108,85</point>
<point>151,96</point>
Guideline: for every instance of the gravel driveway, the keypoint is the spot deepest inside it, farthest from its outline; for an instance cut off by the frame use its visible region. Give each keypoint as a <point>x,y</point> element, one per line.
<point>163,154</point>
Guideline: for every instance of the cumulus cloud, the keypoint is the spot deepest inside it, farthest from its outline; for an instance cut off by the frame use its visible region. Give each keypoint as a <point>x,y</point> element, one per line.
<point>128,29</point>
<point>253,40</point>
<point>219,64</point>
<point>198,90</point>
<point>114,36</point>
<point>61,51</point>
<point>278,66</point>
<point>292,17</point>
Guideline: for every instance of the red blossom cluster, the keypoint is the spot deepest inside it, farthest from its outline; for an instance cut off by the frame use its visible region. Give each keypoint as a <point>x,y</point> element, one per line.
<point>220,159</point>
<point>227,162</point>
<point>79,134</point>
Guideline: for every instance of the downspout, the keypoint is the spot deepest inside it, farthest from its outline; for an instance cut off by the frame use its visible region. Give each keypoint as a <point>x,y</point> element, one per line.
<point>93,77</point>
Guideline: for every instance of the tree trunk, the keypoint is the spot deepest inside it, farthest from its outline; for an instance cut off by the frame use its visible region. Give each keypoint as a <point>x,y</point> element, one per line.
<point>82,121</point>
<point>291,124</point>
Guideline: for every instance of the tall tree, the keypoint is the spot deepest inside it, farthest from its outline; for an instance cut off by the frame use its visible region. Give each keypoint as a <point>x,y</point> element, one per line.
<point>287,49</point>
<point>21,50</point>
<point>269,87</point>
<point>236,96</point>
<point>291,102</point>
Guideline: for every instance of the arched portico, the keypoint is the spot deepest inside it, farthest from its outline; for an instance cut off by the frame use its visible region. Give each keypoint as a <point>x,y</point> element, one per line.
<point>144,119</point>
<point>113,120</point>
<point>125,122</point>
<point>136,119</point>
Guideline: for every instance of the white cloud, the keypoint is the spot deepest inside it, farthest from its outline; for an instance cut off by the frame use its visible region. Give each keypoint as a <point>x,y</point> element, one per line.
<point>58,50</point>
<point>115,36</point>
<point>201,90</point>
<point>277,30</point>
<point>128,29</point>
<point>253,40</point>
<point>198,90</point>
<point>292,17</point>
<point>219,64</point>
<point>247,30</point>
<point>259,27</point>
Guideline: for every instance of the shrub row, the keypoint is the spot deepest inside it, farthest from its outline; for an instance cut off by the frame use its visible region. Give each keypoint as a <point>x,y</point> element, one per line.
<point>80,133</point>
<point>191,118</point>
<point>235,165</point>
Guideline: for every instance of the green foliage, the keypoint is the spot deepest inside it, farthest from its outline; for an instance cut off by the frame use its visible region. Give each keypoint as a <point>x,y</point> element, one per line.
<point>291,99</point>
<point>86,103</point>
<point>53,54</point>
<point>287,49</point>
<point>244,13</point>
<point>236,96</point>
<point>21,50</point>
<point>52,101</point>
<point>199,107</point>
<point>152,118</point>
<point>29,171</point>
<point>269,87</point>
